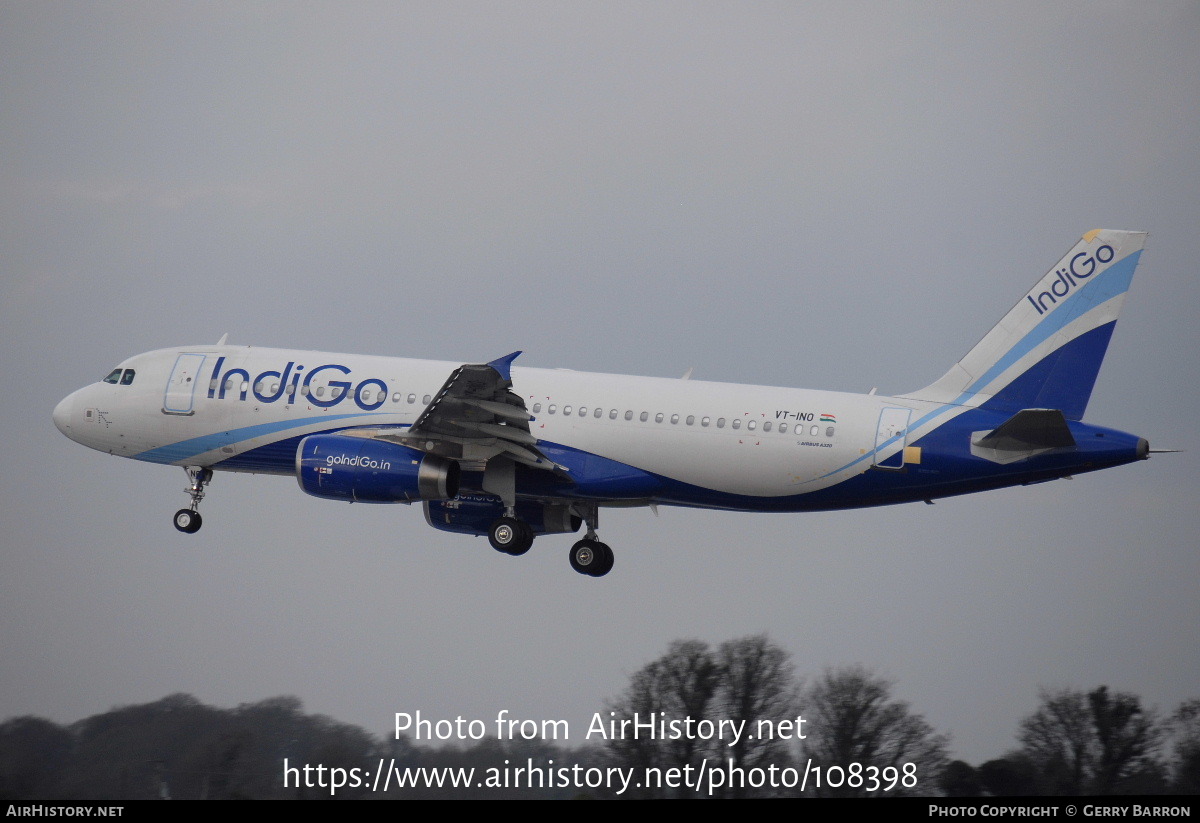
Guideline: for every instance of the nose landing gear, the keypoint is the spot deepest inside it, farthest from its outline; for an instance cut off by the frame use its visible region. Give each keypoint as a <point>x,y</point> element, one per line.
<point>189,520</point>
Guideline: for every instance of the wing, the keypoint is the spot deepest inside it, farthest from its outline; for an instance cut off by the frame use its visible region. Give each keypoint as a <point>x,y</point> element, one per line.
<point>475,416</point>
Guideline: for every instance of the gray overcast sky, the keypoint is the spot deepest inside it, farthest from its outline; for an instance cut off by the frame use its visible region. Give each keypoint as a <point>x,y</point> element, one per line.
<point>827,195</point>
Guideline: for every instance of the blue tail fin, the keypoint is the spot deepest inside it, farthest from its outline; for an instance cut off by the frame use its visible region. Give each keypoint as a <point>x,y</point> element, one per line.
<point>1047,351</point>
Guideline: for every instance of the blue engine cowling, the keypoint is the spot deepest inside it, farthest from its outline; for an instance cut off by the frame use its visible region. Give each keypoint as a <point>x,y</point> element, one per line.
<point>360,469</point>
<point>474,513</point>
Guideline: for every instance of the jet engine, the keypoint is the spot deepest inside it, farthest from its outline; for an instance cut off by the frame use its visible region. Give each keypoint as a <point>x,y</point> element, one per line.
<point>359,469</point>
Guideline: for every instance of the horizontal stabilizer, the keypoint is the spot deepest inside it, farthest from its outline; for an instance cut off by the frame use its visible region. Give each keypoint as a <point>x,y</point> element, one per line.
<point>1027,433</point>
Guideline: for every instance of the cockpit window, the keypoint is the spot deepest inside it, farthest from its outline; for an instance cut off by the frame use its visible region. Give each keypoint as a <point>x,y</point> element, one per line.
<point>113,377</point>
<point>127,377</point>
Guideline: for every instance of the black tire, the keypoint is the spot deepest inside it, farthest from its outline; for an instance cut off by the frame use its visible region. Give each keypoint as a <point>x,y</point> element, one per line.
<point>526,540</point>
<point>606,561</point>
<point>188,521</point>
<point>591,557</point>
<point>510,536</point>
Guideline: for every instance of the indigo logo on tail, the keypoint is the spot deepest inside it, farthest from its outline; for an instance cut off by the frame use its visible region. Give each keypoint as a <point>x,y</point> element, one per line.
<point>1081,267</point>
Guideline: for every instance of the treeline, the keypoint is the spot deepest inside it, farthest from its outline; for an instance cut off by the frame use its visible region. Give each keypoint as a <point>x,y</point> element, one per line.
<point>733,707</point>
<point>1074,743</point>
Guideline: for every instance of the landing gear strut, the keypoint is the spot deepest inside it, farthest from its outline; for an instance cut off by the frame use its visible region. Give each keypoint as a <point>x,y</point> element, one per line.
<point>589,556</point>
<point>189,520</point>
<point>508,534</point>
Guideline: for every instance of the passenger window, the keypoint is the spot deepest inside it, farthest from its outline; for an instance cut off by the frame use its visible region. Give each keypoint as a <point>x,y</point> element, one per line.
<point>674,419</point>
<point>720,422</point>
<point>737,424</point>
<point>566,409</point>
<point>320,391</point>
<point>127,377</point>
<point>767,426</point>
<point>396,397</point>
<point>425,400</point>
<point>829,432</point>
<point>813,431</point>
<point>691,418</point>
<point>113,376</point>
<point>629,415</point>
<point>750,424</point>
<point>783,428</point>
<point>645,416</point>
<point>658,418</point>
<point>583,411</point>
<point>703,421</point>
<point>551,408</point>
<point>537,407</point>
<point>412,398</point>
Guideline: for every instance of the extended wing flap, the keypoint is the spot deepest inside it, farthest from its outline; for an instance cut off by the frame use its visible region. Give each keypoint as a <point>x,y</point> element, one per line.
<point>505,410</point>
<point>477,416</point>
<point>510,433</point>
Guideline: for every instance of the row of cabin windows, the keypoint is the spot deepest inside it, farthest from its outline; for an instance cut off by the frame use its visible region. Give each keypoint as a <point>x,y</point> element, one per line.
<point>233,385</point>
<point>367,396</point>
<point>122,376</point>
<point>690,420</point>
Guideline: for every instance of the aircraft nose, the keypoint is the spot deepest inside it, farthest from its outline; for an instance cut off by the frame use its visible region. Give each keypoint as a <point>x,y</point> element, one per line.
<point>62,414</point>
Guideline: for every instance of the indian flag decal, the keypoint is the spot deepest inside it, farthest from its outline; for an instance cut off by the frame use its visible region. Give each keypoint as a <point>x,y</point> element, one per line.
<point>828,418</point>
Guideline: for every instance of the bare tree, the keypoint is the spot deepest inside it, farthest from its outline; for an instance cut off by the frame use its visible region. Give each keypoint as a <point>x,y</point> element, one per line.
<point>854,722</point>
<point>1185,728</point>
<point>679,685</point>
<point>1093,743</point>
<point>1057,738</point>
<point>690,678</point>
<point>744,681</point>
<point>757,684</point>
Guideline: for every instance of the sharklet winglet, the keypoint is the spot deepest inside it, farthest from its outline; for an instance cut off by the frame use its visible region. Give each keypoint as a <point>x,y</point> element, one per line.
<point>503,365</point>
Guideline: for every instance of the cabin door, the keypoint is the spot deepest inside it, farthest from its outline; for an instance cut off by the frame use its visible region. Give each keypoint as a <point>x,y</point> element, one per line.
<point>181,387</point>
<point>891,434</point>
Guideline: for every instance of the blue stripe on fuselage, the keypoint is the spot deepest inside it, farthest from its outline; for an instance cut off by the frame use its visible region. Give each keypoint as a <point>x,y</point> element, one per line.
<point>188,449</point>
<point>947,468</point>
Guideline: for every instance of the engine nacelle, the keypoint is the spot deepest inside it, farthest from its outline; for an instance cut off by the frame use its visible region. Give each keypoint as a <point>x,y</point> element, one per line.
<point>360,469</point>
<point>474,513</point>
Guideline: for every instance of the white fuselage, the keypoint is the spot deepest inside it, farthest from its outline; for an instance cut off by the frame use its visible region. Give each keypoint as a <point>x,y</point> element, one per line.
<point>227,401</point>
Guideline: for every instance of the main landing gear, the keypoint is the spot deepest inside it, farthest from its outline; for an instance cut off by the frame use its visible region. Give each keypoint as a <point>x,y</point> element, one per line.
<point>589,556</point>
<point>511,535</point>
<point>189,520</point>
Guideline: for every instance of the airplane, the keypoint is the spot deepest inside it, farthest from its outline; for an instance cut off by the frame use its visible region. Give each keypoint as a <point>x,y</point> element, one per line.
<point>515,453</point>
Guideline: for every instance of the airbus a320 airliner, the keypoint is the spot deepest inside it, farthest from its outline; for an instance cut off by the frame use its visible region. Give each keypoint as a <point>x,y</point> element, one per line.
<point>518,452</point>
